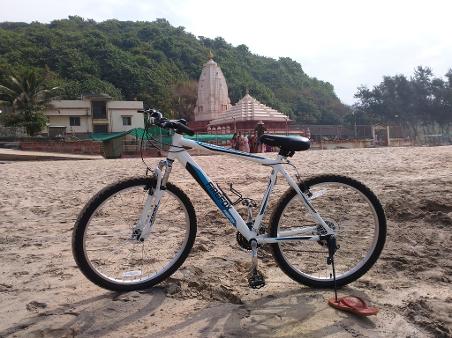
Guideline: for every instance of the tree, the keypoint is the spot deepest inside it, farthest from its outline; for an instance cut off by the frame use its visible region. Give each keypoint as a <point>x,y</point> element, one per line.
<point>147,60</point>
<point>442,102</point>
<point>184,99</point>
<point>422,101</point>
<point>27,96</point>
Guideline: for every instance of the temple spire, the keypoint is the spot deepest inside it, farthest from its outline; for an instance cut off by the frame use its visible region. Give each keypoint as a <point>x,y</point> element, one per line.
<point>213,97</point>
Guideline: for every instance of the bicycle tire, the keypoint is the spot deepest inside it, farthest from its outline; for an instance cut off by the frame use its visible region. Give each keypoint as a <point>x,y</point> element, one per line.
<point>297,249</point>
<point>84,220</point>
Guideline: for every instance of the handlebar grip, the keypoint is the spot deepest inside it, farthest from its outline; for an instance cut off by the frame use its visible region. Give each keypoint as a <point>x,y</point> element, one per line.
<point>180,128</point>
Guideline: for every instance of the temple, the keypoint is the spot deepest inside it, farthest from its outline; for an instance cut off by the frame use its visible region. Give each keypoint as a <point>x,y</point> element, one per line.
<point>213,97</point>
<point>214,113</point>
<point>246,114</point>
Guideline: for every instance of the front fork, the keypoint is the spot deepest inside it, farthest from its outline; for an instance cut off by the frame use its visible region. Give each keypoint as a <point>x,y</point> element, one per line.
<point>143,227</point>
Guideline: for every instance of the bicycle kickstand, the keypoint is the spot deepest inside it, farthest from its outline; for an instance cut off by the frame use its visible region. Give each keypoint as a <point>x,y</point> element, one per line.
<point>332,247</point>
<point>256,278</point>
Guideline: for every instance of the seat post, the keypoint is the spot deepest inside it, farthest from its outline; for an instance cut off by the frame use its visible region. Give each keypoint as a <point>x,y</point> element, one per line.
<point>280,157</point>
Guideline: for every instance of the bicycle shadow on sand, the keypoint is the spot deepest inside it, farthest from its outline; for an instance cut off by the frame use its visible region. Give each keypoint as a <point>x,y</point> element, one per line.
<point>294,313</point>
<point>94,317</point>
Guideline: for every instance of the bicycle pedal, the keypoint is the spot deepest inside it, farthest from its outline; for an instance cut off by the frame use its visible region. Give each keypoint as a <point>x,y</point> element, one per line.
<point>256,280</point>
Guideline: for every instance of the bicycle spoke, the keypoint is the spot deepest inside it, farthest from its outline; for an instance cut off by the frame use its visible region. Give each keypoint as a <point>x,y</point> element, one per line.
<point>116,255</point>
<point>347,212</point>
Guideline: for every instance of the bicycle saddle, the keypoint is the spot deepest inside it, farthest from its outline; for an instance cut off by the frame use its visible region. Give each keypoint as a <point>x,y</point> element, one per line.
<point>287,143</point>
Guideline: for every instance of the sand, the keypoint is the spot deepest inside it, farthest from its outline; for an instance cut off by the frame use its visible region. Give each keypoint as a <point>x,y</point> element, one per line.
<point>43,294</point>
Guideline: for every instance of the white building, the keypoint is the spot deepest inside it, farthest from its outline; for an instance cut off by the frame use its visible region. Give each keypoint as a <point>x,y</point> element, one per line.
<point>94,114</point>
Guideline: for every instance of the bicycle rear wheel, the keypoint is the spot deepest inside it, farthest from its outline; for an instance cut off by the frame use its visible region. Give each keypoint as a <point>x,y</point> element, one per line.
<point>102,242</point>
<point>352,210</point>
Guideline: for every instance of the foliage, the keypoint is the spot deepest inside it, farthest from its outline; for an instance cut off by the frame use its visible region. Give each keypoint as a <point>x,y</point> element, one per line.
<point>184,99</point>
<point>420,101</point>
<point>26,95</point>
<point>149,60</point>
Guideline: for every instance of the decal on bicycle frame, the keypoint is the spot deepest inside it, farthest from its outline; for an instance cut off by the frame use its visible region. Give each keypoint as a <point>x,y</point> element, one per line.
<point>215,194</point>
<point>215,147</point>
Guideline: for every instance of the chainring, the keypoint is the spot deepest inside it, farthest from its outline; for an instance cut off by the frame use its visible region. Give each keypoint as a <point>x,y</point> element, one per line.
<point>243,243</point>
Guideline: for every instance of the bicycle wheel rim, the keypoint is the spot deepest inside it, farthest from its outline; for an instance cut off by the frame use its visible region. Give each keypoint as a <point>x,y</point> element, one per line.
<point>162,232</point>
<point>311,260</point>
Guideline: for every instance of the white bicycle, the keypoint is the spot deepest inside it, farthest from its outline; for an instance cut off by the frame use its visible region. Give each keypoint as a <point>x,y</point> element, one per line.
<point>325,231</point>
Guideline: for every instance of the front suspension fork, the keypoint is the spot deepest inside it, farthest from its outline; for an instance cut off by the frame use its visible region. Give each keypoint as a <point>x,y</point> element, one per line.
<point>142,229</point>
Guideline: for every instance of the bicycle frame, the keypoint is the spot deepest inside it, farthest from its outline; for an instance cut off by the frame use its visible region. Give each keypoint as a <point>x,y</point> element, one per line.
<point>178,151</point>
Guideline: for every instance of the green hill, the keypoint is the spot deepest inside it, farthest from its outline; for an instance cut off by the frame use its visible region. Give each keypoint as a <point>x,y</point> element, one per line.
<point>147,60</point>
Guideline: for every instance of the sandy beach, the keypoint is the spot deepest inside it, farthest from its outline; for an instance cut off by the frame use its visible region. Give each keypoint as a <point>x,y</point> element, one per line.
<point>43,294</point>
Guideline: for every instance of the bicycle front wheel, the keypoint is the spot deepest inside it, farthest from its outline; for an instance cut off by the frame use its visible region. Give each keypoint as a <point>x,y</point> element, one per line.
<point>347,206</point>
<point>102,242</point>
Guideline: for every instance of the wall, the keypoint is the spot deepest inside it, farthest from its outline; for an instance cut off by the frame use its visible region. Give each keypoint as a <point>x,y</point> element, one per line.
<point>81,147</point>
<point>338,144</point>
<point>84,127</point>
<point>349,144</point>
<point>68,112</point>
<point>69,104</point>
<point>400,142</point>
<point>116,120</point>
<point>132,105</point>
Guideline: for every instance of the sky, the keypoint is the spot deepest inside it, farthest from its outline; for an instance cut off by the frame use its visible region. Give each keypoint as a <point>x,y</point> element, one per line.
<point>348,43</point>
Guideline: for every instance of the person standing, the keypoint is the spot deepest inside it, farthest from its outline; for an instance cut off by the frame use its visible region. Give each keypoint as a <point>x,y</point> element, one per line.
<point>252,141</point>
<point>239,141</point>
<point>260,130</point>
<point>234,141</point>
<point>246,144</point>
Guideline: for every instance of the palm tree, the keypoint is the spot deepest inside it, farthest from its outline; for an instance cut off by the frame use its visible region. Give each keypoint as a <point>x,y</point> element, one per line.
<point>27,97</point>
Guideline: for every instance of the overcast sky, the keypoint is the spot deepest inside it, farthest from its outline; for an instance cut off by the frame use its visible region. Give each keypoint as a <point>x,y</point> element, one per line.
<point>347,43</point>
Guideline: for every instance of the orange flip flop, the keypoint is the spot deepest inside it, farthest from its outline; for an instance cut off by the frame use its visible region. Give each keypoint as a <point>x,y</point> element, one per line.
<point>354,305</point>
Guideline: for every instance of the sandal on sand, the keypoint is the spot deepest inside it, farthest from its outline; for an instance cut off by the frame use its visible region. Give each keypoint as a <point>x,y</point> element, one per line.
<point>354,305</point>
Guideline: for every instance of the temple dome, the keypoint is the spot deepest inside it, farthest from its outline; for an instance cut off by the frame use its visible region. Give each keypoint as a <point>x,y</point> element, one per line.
<point>249,109</point>
<point>213,97</point>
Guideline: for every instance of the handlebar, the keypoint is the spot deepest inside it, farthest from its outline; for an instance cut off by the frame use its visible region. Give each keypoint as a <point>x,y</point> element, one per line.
<point>178,126</point>
<point>156,118</point>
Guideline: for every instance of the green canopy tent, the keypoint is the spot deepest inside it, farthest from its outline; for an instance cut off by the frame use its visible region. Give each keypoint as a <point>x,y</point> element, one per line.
<point>113,143</point>
<point>158,133</point>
